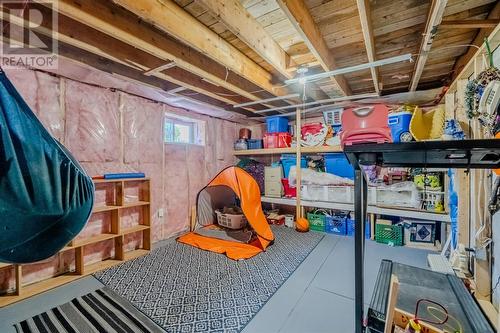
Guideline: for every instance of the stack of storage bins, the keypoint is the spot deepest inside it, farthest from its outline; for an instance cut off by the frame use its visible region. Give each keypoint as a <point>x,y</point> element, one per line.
<point>277,135</point>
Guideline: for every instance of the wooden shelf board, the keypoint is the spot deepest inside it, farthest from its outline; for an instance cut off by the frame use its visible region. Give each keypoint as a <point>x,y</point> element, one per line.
<point>99,209</point>
<point>134,204</point>
<point>409,213</point>
<point>92,240</point>
<point>101,181</point>
<point>322,149</point>
<point>5,265</point>
<point>101,265</point>
<point>133,229</point>
<point>269,151</point>
<point>129,255</point>
<point>39,287</point>
<point>293,150</point>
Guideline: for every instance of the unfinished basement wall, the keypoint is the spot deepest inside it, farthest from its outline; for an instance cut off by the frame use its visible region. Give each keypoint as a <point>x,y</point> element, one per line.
<point>111,131</point>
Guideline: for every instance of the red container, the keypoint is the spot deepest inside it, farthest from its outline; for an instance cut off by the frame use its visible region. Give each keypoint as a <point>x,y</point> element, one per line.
<point>277,140</point>
<point>290,192</point>
<point>312,128</point>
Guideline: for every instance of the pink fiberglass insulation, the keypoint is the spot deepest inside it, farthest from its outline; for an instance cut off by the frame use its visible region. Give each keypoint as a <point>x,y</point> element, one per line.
<point>98,251</point>
<point>143,129</point>
<point>111,132</point>
<point>156,172</point>
<point>42,93</point>
<point>98,223</point>
<point>130,217</point>
<point>93,123</point>
<point>176,192</point>
<point>37,271</point>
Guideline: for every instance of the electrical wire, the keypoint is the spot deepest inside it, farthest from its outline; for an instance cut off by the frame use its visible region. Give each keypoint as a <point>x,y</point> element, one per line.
<point>425,300</point>
<point>459,329</point>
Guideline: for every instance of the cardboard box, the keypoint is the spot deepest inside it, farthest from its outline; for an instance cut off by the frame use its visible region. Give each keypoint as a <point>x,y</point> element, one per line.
<point>273,174</point>
<point>273,189</point>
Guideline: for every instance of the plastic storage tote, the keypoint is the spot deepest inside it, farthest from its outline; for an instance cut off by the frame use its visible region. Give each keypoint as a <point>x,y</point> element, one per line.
<point>277,124</point>
<point>389,234</point>
<point>254,144</point>
<point>351,225</point>
<point>399,124</point>
<point>287,161</point>
<point>336,224</point>
<point>277,140</point>
<point>316,221</point>
<point>337,164</point>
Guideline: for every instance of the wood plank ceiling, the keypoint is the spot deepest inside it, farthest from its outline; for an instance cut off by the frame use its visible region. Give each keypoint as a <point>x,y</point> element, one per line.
<point>227,52</point>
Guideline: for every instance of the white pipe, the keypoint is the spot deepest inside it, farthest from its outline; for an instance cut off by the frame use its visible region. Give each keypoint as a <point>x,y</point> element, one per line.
<point>405,57</point>
<point>266,100</point>
<point>328,100</point>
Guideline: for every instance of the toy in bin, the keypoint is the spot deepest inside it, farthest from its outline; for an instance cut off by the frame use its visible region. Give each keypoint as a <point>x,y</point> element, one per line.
<point>276,219</point>
<point>313,134</point>
<point>231,217</point>
<point>365,124</point>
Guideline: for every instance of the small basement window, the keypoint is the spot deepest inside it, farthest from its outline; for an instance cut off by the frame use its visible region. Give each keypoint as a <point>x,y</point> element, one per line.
<point>183,131</point>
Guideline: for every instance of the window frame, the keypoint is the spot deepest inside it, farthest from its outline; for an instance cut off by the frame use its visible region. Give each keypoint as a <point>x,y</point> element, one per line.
<point>176,121</point>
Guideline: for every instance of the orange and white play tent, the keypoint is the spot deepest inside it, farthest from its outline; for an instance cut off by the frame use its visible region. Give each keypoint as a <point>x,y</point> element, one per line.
<point>230,186</point>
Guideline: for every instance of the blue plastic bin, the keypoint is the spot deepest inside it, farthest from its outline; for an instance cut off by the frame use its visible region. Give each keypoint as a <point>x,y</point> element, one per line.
<point>350,228</point>
<point>276,124</point>
<point>287,161</point>
<point>337,164</point>
<point>336,224</point>
<point>254,144</point>
<point>399,124</point>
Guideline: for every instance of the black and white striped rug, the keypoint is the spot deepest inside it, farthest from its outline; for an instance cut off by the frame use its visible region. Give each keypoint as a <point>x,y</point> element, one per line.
<point>101,311</point>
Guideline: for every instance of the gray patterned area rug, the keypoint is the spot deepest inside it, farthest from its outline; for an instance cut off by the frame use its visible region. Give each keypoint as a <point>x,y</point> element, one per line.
<point>185,289</point>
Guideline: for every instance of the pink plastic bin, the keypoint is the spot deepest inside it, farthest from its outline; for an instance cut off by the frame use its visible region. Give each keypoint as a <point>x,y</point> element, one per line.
<point>366,124</point>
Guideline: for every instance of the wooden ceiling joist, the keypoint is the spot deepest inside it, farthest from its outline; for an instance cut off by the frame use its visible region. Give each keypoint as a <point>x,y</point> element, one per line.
<point>169,17</point>
<point>107,47</point>
<point>366,27</point>
<point>94,61</point>
<point>239,21</point>
<point>298,13</point>
<point>433,20</point>
<point>470,24</point>
<point>122,25</point>
<point>478,40</point>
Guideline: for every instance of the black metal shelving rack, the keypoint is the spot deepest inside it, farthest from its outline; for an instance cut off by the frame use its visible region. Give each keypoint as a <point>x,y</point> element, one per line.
<point>463,154</point>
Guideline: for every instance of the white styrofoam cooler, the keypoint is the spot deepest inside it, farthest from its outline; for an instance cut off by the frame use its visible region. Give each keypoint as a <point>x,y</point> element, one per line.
<point>340,194</point>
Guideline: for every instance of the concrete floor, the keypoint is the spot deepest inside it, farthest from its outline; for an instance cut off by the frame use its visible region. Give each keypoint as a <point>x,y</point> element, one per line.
<point>318,297</point>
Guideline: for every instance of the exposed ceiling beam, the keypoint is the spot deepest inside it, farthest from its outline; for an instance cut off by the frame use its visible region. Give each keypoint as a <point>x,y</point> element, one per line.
<point>433,20</point>
<point>478,40</point>
<point>122,25</point>
<point>107,47</point>
<point>169,17</point>
<point>366,27</point>
<point>241,23</point>
<point>470,24</point>
<point>299,15</point>
<point>88,59</point>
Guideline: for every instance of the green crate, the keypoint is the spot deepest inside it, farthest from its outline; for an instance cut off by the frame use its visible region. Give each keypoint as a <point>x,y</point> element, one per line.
<point>316,221</point>
<point>389,234</point>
